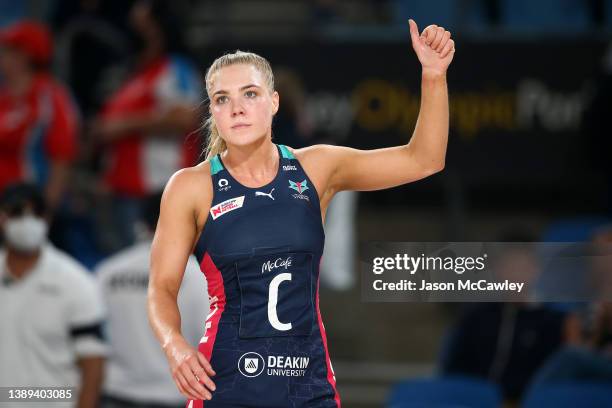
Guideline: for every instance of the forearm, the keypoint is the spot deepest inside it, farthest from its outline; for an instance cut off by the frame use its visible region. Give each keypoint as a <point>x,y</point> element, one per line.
<point>430,138</point>
<point>92,374</point>
<point>175,121</point>
<point>164,317</point>
<point>57,183</point>
<point>178,120</point>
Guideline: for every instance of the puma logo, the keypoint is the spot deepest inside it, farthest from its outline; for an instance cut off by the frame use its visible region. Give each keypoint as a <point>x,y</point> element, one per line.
<point>259,193</point>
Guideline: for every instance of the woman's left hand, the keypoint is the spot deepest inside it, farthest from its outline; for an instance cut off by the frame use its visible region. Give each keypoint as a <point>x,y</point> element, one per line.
<point>434,47</point>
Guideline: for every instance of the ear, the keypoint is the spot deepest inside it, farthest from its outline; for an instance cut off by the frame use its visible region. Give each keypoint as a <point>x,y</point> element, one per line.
<point>275,102</point>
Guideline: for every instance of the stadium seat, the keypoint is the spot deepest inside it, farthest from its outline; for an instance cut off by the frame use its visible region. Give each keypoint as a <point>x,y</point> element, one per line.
<point>570,394</point>
<point>445,392</point>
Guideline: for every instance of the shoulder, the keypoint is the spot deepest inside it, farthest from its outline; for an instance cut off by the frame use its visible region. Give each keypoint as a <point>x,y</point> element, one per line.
<point>124,260</point>
<point>319,152</point>
<point>321,158</point>
<point>190,181</point>
<point>73,274</point>
<point>189,189</point>
<point>320,162</point>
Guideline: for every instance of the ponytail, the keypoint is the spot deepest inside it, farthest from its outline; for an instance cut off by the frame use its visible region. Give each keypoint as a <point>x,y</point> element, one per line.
<point>214,143</point>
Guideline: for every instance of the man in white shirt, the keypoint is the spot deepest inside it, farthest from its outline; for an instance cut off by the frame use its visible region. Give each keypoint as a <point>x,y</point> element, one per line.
<point>50,311</point>
<point>137,373</point>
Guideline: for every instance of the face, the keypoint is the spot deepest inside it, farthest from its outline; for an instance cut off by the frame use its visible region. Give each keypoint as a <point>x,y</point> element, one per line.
<point>241,104</point>
<point>518,265</point>
<point>141,20</point>
<point>12,62</point>
<point>23,228</point>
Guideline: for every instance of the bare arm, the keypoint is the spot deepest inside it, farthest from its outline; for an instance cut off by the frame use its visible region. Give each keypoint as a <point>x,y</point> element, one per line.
<point>173,242</point>
<point>92,371</point>
<point>354,169</point>
<point>178,120</point>
<point>56,185</point>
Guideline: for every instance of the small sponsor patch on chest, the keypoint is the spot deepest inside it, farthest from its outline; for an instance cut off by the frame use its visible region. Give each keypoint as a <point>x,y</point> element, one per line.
<point>226,206</point>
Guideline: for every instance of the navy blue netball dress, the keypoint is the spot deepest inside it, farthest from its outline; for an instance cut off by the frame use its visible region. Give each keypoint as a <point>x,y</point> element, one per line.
<point>260,251</point>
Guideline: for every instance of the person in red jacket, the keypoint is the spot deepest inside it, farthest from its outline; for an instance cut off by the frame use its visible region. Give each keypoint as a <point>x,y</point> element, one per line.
<point>38,119</point>
<point>146,127</point>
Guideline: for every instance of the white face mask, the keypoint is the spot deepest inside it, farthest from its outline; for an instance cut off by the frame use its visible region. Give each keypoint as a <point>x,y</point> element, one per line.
<point>26,233</point>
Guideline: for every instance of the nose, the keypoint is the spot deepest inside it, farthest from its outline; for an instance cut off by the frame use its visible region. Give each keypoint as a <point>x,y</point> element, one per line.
<point>237,109</point>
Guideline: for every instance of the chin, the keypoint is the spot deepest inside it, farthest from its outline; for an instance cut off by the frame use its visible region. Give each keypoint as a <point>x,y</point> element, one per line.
<point>243,139</point>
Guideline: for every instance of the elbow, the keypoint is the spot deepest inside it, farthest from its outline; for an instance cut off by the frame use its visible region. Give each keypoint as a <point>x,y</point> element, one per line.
<point>433,169</point>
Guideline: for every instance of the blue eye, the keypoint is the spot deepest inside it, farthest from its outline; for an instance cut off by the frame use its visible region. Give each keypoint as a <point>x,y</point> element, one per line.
<point>251,94</point>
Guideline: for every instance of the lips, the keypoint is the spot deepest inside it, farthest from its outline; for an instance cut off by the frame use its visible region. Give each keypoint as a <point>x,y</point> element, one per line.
<point>240,126</point>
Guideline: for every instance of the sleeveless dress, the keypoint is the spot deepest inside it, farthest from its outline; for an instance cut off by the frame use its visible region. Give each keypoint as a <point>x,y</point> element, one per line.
<point>260,251</point>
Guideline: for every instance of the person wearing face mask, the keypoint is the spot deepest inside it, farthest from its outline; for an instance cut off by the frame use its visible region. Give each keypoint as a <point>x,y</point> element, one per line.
<point>137,374</point>
<point>51,313</point>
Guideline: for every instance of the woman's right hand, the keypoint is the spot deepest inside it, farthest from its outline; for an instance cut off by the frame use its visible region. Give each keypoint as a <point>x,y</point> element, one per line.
<point>191,371</point>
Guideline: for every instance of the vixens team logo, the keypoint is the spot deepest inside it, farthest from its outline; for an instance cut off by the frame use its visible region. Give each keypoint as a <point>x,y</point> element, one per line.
<point>300,187</point>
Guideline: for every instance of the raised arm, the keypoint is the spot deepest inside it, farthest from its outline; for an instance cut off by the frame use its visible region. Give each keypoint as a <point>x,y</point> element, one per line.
<point>353,169</point>
<point>173,243</point>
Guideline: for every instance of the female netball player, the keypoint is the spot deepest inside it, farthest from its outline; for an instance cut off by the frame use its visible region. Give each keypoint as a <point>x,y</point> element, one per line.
<point>254,210</point>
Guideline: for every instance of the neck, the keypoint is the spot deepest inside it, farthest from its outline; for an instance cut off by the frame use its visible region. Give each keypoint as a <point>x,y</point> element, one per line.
<point>20,263</point>
<point>257,160</point>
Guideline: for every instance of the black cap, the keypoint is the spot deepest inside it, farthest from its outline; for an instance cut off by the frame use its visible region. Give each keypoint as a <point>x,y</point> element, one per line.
<point>16,197</point>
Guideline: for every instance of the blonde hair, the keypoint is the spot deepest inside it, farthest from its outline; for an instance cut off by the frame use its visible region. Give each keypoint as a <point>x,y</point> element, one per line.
<point>214,143</point>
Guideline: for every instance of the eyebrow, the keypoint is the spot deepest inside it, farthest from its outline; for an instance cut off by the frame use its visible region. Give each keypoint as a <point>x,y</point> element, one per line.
<point>221,91</point>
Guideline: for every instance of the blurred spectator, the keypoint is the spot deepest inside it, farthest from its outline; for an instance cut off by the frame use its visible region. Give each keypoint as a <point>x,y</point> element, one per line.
<point>50,311</point>
<point>38,121</point>
<point>592,360</point>
<point>507,342</point>
<point>137,371</point>
<point>143,125</point>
